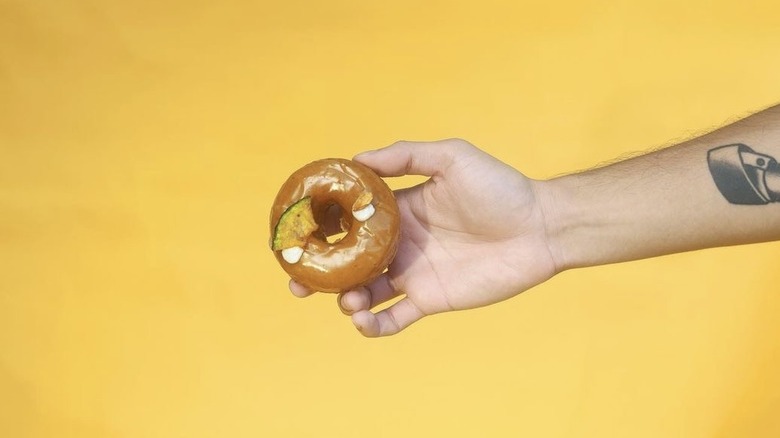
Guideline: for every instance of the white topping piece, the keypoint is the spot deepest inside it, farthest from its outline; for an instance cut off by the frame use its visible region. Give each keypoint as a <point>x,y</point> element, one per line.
<point>364,213</point>
<point>292,255</point>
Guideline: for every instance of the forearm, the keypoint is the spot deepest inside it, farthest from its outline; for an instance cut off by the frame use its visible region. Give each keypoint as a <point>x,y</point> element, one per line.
<point>664,202</point>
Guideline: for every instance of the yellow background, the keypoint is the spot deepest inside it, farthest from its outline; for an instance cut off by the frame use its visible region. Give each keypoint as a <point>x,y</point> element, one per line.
<point>142,142</point>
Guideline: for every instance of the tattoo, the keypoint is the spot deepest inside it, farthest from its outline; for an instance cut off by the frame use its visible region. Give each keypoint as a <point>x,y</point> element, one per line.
<point>744,176</point>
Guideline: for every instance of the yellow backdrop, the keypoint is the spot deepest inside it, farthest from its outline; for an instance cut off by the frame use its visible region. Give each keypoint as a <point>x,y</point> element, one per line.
<point>142,142</point>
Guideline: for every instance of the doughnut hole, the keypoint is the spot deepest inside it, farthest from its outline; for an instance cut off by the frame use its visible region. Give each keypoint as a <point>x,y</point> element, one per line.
<point>334,221</point>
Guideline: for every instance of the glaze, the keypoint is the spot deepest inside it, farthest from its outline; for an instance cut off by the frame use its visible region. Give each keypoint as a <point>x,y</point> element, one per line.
<point>368,246</point>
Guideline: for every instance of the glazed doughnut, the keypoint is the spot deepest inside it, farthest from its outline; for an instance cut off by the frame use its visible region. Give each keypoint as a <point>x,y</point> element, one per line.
<point>302,212</point>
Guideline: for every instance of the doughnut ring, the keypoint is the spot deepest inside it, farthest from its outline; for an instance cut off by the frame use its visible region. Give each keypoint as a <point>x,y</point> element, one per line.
<point>334,195</point>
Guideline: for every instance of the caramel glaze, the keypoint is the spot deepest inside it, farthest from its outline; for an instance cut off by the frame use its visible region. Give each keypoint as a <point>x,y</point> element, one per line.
<point>367,248</point>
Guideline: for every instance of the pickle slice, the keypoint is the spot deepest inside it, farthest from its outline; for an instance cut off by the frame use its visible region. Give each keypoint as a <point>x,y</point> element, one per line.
<point>295,226</point>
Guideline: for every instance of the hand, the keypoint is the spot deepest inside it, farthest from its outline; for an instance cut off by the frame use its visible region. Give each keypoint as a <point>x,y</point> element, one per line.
<point>471,235</point>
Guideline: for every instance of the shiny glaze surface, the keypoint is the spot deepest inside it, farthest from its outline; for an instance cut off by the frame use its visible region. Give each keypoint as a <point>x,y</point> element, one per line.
<point>367,248</point>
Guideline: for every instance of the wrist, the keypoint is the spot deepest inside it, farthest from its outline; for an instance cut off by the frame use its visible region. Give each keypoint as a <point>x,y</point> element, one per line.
<point>582,229</point>
<point>553,198</point>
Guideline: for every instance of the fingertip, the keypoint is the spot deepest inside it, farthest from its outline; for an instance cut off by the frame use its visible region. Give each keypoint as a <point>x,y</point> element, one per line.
<point>344,307</point>
<point>387,161</point>
<point>299,290</point>
<point>373,160</point>
<point>355,300</point>
<point>389,321</point>
<point>426,158</point>
<point>364,156</point>
<point>366,323</point>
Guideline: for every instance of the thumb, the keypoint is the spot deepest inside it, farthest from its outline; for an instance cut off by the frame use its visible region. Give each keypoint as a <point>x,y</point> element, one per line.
<point>413,157</point>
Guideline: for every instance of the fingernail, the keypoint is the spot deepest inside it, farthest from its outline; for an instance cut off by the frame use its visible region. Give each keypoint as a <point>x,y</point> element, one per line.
<point>363,154</point>
<point>343,304</point>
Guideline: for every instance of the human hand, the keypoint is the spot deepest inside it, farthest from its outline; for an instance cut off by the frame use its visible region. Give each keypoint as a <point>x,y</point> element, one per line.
<point>471,235</point>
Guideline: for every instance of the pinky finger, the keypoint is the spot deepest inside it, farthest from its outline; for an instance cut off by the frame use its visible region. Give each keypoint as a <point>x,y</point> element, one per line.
<point>299,290</point>
<point>389,321</point>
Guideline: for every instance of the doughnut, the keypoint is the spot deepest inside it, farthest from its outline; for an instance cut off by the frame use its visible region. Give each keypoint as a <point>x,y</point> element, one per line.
<point>327,196</point>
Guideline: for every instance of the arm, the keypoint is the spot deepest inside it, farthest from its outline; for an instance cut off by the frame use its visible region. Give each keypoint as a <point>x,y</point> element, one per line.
<point>479,232</point>
<point>691,196</point>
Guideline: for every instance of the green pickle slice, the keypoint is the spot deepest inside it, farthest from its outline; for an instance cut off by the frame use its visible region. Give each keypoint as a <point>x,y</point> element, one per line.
<point>295,225</point>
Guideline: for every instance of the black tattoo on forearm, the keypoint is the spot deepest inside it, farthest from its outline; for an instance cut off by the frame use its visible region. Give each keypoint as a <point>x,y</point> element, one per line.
<point>744,176</point>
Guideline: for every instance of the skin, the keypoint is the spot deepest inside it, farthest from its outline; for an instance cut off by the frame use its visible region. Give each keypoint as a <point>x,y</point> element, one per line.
<point>478,232</point>
<point>449,257</point>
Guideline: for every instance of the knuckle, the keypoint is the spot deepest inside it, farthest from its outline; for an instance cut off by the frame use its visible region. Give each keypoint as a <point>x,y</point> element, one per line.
<point>459,143</point>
